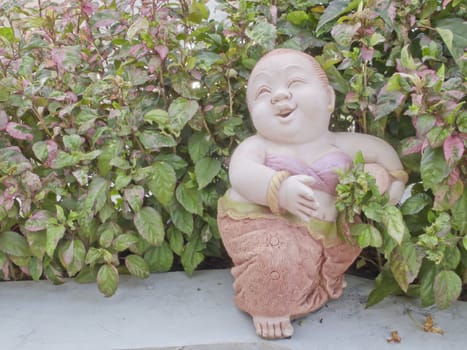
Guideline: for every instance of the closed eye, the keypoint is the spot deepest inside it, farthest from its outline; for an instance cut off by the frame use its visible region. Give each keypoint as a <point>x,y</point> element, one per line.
<point>262,91</point>
<point>295,81</point>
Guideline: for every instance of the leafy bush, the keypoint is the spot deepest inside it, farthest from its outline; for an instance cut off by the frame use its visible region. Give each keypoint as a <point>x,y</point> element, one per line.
<point>117,120</point>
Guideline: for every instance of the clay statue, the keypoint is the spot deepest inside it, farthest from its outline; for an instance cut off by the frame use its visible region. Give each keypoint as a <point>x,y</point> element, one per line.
<point>278,220</point>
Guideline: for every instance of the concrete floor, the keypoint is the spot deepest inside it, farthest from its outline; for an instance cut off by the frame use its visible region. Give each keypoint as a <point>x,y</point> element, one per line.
<point>174,311</point>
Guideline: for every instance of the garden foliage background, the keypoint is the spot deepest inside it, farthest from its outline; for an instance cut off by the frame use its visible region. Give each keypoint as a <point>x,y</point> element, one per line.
<point>117,119</point>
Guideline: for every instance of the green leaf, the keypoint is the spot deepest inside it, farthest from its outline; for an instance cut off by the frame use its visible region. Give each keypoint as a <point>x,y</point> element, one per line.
<point>72,254</point>
<point>343,34</point>
<point>110,150</point>
<point>206,169</point>
<point>8,34</point>
<point>35,268</point>
<point>162,182</point>
<point>437,135</point>
<point>334,10</point>
<point>198,146</point>
<point>452,31</point>
<point>452,258</point>
<point>447,287</point>
<point>177,162</point>
<point>140,25</point>
<point>97,195</point>
<point>107,279</point>
<point>86,275</point>
<point>407,60</point>
<point>93,255</point>
<point>433,167</point>
<point>137,266</point>
<point>122,181</point>
<point>3,259</point>
<point>366,235</point>
<point>428,274</point>
<point>159,259</point>
<point>297,17</point>
<point>406,261</point>
<point>13,243</point>
<point>12,161</point>
<point>198,12</point>
<point>337,81</point>
<point>176,240</point>
<point>90,155</point>
<point>181,111</point>
<point>65,160</point>
<point>152,140</point>
<point>72,142</point>
<point>182,219</point>
<point>385,285</point>
<point>373,211</point>
<point>459,215</point>
<point>189,198</point>
<point>54,234</point>
<point>192,256</point>
<point>415,204</point>
<point>37,243</point>
<point>388,102</point>
<point>40,150</point>
<point>158,116</point>
<point>394,222</point>
<point>124,241</point>
<point>53,273</point>
<point>263,34</point>
<point>134,196</point>
<point>428,8</point>
<point>149,224</point>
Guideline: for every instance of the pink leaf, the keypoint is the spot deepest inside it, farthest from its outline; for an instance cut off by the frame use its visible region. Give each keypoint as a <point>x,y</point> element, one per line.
<point>411,145</point>
<point>351,97</point>
<point>3,120</point>
<point>19,131</point>
<point>58,55</point>
<point>446,3</point>
<point>71,96</point>
<point>454,177</point>
<point>163,51</point>
<point>136,49</point>
<point>68,254</point>
<point>31,181</point>
<point>89,8</point>
<point>52,149</point>
<point>104,23</point>
<point>5,201</point>
<point>37,221</point>
<point>6,271</point>
<point>207,108</point>
<point>453,148</point>
<point>153,64</point>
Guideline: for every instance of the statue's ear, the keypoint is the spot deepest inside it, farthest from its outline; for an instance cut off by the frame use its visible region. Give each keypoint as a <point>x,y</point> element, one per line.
<point>332,98</point>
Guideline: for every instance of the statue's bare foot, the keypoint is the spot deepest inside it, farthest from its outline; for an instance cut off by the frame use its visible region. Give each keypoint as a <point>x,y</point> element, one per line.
<point>273,327</point>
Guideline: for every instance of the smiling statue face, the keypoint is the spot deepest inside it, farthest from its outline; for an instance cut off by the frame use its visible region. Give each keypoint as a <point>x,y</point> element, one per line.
<point>287,99</point>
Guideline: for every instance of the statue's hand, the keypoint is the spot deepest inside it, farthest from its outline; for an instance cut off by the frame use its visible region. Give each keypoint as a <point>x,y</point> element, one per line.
<point>381,175</point>
<point>297,197</point>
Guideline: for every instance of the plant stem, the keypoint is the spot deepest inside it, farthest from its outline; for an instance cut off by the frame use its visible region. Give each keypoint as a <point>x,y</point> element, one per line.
<point>42,122</point>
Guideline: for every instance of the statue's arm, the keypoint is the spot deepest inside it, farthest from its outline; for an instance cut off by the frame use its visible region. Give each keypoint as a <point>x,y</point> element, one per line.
<point>248,175</point>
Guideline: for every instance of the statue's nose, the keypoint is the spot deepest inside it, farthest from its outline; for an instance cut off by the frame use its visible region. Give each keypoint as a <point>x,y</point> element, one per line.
<point>280,94</point>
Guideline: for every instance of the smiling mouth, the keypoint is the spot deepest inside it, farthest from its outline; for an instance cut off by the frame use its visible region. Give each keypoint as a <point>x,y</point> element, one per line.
<point>285,114</point>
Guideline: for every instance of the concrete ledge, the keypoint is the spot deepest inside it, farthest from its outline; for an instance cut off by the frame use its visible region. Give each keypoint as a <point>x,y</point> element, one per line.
<point>173,311</point>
